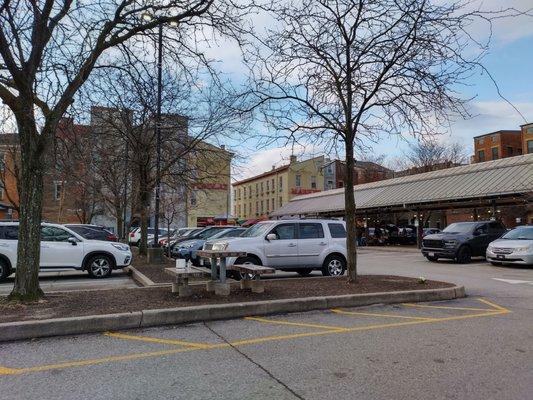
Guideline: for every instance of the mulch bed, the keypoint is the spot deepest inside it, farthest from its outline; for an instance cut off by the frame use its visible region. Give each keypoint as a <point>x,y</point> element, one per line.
<point>156,273</point>
<point>82,303</point>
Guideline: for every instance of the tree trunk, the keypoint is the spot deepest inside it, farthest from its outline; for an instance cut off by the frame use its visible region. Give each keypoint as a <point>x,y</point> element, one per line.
<point>30,188</point>
<point>349,200</point>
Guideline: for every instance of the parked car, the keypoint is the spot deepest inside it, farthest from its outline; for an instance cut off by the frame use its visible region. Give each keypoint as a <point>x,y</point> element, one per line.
<point>135,236</point>
<point>201,233</point>
<point>461,241</point>
<point>189,248</point>
<point>515,247</point>
<point>93,232</point>
<point>62,248</point>
<point>180,232</point>
<point>430,231</point>
<point>292,245</point>
<point>185,235</point>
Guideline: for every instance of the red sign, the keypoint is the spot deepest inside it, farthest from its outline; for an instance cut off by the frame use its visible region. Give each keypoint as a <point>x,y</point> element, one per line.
<point>212,186</point>
<point>299,190</point>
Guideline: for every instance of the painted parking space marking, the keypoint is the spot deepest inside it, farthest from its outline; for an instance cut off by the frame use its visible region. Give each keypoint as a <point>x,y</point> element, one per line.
<point>303,325</point>
<point>119,335</point>
<point>356,313</point>
<point>185,346</point>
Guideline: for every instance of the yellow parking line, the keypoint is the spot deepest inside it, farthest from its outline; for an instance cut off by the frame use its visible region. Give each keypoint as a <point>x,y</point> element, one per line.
<point>337,311</point>
<point>445,307</point>
<point>156,340</point>
<point>94,361</point>
<point>496,306</point>
<point>136,356</point>
<point>278,322</point>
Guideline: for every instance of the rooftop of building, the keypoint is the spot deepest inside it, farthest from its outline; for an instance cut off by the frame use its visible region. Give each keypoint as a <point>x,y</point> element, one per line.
<point>511,131</point>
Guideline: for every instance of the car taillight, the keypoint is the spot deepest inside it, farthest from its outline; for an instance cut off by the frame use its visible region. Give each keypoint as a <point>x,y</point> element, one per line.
<point>132,234</point>
<point>112,238</point>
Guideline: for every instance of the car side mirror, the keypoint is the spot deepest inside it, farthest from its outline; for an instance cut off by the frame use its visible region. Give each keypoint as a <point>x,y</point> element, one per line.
<point>271,236</point>
<point>73,241</point>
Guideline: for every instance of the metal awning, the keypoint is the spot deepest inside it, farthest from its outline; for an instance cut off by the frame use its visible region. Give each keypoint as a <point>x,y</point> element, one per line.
<point>508,176</point>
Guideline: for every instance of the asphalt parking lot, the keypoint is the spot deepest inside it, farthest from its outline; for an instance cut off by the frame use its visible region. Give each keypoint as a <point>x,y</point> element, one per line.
<point>474,348</point>
<point>64,281</point>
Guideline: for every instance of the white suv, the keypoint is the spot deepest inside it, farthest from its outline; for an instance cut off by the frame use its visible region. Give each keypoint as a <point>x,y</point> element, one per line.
<point>291,245</point>
<point>62,248</point>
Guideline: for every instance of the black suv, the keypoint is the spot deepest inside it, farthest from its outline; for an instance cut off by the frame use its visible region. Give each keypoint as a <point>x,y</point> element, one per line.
<point>461,241</point>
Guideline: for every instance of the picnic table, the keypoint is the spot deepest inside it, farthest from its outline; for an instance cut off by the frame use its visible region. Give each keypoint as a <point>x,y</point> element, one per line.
<point>217,283</point>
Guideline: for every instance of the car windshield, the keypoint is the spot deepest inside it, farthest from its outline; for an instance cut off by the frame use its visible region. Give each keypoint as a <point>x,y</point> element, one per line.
<point>459,227</point>
<point>522,233</point>
<point>258,229</point>
<point>221,233</point>
<point>207,233</point>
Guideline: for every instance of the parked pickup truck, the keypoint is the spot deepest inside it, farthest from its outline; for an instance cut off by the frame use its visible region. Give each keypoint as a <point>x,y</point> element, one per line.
<point>461,241</point>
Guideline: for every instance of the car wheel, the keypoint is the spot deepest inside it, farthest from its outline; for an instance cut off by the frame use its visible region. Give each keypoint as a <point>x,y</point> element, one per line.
<point>464,255</point>
<point>237,275</point>
<point>304,272</point>
<point>495,263</point>
<point>100,266</point>
<point>432,258</point>
<point>334,266</point>
<point>4,270</point>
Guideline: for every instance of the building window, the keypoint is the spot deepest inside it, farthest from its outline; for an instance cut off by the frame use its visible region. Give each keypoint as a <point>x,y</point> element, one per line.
<point>234,193</point>
<point>273,202</point>
<point>494,138</point>
<point>281,201</point>
<point>529,130</point>
<point>330,185</point>
<point>494,151</point>
<point>267,187</point>
<point>58,187</point>
<point>529,146</point>
<point>267,205</point>
<point>273,185</point>
<point>509,151</point>
<point>262,207</point>
<point>193,199</point>
<point>256,189</point>
<point>256,208</point>
<point>313,182</point>
<point>262,188</point>
<point>239,195</point>
<point>280,183</point>
<point>250,209</point>
<point>244,192</point>
<point>481,155</point>
<point>250,189</point>
<point>298,180</point>
<point>481,140</point>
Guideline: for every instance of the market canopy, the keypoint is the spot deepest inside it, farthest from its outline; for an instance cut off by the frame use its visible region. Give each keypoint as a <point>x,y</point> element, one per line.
<point>491,180</point>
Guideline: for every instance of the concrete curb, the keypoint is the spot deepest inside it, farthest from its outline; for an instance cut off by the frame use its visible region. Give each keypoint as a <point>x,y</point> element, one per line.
<point>148,318</point>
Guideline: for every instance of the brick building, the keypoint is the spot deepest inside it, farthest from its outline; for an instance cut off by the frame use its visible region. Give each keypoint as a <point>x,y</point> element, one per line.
<point>527,138</point>
<point>496,145</point>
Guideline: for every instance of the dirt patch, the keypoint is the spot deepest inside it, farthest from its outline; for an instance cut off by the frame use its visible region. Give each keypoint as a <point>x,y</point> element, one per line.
<point>71,304</point>
<point>156,273</point>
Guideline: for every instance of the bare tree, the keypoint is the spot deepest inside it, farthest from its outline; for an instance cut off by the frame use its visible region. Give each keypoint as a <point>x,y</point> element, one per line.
<point>430,155</point>
<point>192,117</point>
<point>48,50</point>
<point>349,72</point>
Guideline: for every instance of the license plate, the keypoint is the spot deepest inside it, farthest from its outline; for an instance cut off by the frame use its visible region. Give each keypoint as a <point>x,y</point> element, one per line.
<point>500,256</point>
<point>431,254</point>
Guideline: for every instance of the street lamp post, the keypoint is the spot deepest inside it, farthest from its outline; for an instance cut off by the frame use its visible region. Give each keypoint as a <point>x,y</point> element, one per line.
<point>158,132</point>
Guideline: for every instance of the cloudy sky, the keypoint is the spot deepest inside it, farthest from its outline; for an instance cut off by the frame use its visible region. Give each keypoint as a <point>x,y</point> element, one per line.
<point>510,62</point>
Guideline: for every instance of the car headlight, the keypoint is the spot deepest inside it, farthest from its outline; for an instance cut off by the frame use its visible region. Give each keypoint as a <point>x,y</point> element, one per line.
<point>220,246</point>
<point>525,248</point>
<point>450,243</point>
<point>120,246</point>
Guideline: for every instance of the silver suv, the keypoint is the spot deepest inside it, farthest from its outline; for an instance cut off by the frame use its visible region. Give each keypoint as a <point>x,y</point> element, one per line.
<point>291,245</point>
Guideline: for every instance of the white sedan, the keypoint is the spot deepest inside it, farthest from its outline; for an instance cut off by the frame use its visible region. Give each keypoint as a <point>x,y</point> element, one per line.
<point>515,247</point>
